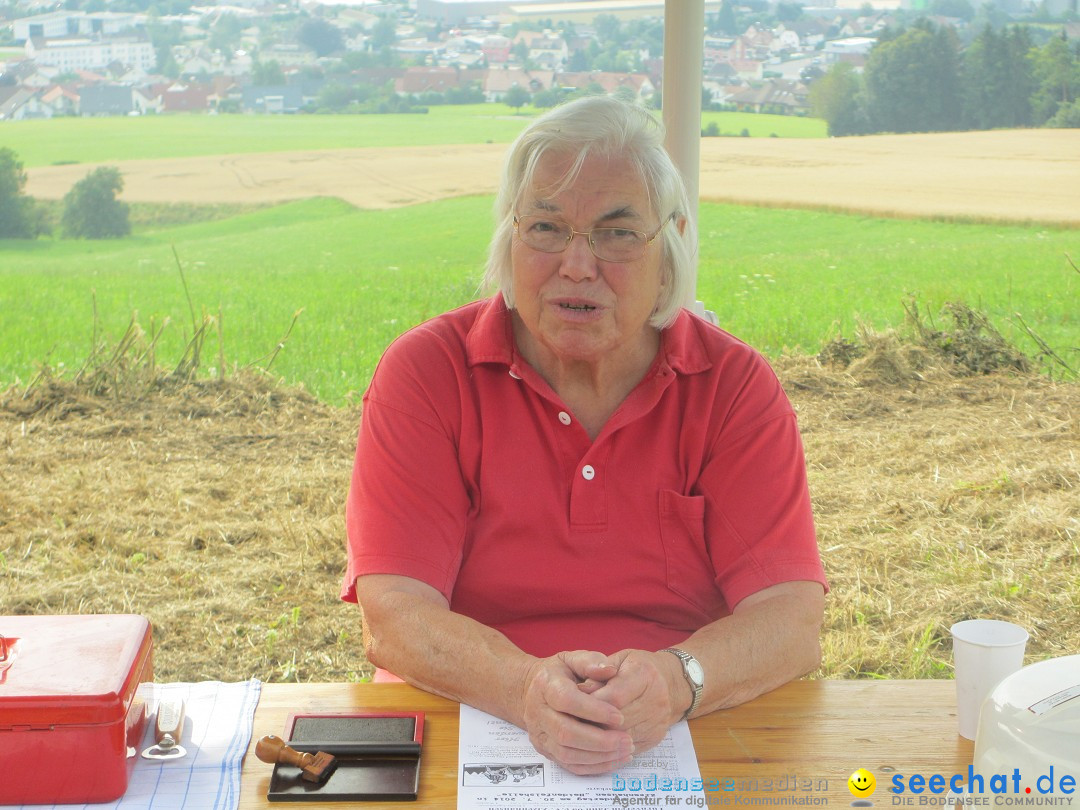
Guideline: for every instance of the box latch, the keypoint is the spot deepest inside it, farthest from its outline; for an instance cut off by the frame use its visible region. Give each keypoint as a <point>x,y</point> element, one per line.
<point>7,655</point>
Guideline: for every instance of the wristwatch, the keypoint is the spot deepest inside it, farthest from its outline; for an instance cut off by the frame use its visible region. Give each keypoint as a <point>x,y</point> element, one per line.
<point>694,674</point>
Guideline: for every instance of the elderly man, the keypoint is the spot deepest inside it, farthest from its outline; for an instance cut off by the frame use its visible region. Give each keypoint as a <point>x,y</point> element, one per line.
<point>576,505</point>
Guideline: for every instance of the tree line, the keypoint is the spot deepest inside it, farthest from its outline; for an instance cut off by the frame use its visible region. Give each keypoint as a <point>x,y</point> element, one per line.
<point>920,80</point>
<point>91,209</point>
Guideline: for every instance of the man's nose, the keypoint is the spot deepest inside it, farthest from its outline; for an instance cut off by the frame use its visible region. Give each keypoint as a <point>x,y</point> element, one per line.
<point>578,262</point>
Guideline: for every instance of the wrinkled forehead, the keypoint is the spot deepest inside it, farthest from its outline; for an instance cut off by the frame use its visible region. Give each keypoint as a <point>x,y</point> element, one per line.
<point>553,173</point>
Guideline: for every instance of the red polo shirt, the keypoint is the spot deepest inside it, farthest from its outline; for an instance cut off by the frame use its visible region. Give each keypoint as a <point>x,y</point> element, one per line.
<point>472,476</point>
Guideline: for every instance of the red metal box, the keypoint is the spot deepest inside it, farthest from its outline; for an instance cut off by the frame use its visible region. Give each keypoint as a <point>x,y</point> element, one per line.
<point>70,717</point>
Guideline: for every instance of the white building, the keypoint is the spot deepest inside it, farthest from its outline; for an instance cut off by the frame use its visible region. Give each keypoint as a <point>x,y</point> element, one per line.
<point>45,26</point>
<point>83,53</point>
<point>850,49</point>
<point>61,24</point>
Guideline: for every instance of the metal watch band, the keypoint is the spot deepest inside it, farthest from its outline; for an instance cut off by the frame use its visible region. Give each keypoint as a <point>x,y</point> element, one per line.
<point>696,687</point>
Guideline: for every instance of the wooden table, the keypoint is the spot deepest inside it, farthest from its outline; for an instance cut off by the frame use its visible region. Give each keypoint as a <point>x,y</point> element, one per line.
<point>802,740</point>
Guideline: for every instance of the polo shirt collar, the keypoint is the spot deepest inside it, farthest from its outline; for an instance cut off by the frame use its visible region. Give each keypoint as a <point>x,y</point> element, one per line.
<point>684,350</point>
<point>491,336</point>
<point>491,340</point>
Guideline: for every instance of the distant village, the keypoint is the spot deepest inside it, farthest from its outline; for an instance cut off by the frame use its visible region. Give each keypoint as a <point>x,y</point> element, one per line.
<point>143,57</point>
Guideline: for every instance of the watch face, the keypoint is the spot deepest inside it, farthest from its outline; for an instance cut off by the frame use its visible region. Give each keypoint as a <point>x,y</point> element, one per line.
<point>694,670</point>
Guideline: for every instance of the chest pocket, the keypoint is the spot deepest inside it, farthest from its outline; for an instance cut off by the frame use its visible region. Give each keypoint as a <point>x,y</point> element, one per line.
<point>689,569</point>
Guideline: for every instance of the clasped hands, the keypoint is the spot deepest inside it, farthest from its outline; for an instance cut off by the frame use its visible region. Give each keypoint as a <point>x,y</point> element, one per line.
<point>592,712</point>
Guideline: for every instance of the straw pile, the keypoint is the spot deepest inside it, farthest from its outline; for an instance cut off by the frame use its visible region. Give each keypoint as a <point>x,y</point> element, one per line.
<point>216,510</point>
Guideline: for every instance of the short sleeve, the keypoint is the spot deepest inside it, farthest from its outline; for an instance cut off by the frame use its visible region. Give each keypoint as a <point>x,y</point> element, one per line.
<point>759,520</point>
<point>408,504</point>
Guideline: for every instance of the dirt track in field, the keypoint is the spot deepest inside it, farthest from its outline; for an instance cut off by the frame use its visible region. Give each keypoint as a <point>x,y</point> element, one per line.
<point>1016,175</point>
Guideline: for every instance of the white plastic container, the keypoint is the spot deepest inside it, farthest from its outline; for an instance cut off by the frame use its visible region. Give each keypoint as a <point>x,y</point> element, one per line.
<point>1031,721</point>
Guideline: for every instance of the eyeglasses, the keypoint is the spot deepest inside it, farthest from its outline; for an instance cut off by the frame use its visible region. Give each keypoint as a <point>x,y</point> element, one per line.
<point>607,244</point>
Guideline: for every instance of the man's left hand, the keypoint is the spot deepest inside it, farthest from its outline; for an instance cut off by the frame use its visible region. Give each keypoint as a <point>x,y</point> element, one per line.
<point>650,691</point>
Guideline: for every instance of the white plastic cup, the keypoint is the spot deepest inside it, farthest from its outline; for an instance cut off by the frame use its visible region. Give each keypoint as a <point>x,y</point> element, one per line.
<point>984,652</point>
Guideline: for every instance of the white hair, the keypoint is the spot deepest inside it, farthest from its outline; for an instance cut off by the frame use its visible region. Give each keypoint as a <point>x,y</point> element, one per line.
<point>609,127</point>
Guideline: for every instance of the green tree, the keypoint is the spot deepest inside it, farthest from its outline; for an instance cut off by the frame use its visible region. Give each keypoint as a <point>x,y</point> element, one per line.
<point>225,34</point>
<point>997,80</point>
<point>335,96</point>
<point>163,36</point>
<point>387,57</point>
<point>310,72</point>
<point>646,35</point>
<point>983,65</point>
<point>267,74</point>
<point>1020,86</point>
<point>614,60</point>
<point>1067,116</point>
<point>591,89</point>
<point>91,208</point>
<point>170,68</point>
<point>321,36</point>
<point>467,93</point>
<point>788,12</point>
<point>384,34</point>
<point>1058,75</point>
<point>725,22</point>
<point>607,28</point>
<point>837,97</point>
<point>944,104</point>
<point>516,97</point>
<point>913,82</point>
<point>989,14</point>
<point>353,60</point>
<point>17,215</point>
<point>543,99</point>
<point>961,9</point>
<point>579,62</point>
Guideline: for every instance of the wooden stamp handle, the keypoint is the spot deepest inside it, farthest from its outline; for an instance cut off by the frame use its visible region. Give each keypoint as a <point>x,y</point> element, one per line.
<point>273,750</point>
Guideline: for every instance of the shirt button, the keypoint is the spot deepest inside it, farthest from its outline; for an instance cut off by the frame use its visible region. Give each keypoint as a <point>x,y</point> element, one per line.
<point>588,473</point>
<point>514,375</point>
<point>564,417</point>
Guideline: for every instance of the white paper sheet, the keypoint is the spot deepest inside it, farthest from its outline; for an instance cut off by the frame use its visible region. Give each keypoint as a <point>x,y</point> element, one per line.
<point>217,730</point>
<point>498,768</point>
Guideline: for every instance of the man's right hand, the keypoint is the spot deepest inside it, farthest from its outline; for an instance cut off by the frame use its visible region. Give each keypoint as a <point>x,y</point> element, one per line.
<point>568,725</point>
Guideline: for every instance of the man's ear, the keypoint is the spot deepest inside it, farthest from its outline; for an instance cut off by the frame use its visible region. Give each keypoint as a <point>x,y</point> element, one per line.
<point>680,223</point>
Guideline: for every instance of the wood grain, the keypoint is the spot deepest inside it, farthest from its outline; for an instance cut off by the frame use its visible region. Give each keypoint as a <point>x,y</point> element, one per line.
<point>803,740</point>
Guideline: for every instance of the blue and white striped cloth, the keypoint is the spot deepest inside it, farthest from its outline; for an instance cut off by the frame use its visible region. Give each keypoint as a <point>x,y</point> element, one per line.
<point>217,730</point>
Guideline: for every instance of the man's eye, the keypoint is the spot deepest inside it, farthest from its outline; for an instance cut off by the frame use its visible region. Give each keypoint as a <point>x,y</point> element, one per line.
<point>619,234</point>
<point>543,226</point>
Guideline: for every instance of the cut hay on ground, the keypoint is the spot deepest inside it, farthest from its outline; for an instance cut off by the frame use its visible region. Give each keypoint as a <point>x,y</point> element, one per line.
<point>1010,175</point>
<point>217,511</point>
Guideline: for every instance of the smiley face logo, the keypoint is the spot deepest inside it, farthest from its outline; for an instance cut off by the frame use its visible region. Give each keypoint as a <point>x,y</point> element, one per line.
<point>862,784</point>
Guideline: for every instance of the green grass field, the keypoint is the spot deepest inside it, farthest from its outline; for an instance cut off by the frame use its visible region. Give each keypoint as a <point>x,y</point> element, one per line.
<point>780,279</point>
<point>765,126</point>
<point>90,140</point>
